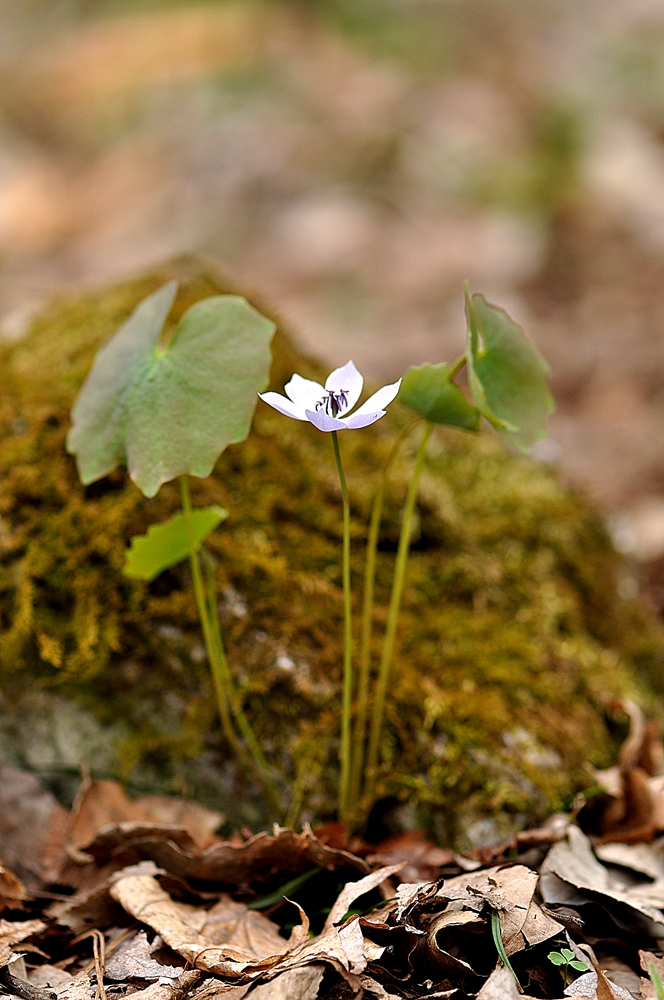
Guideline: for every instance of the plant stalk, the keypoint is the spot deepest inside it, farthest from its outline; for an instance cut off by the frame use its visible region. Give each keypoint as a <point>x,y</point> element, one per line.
<point>221,677</point>
<point>378,710</point>
<point>347,695</point>
<point>360,733</point>
<point>260,763</point>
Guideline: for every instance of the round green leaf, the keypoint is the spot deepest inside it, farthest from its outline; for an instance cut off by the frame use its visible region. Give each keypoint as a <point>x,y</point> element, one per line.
<point>167,544</point>
<point>430,391</point>
<point>508,376</point>
<point>580,966</point>
<point>556,958</point>
<point>169,412</point>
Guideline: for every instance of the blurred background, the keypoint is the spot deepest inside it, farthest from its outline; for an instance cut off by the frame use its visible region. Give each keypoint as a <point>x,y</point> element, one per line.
<point>352,161</point>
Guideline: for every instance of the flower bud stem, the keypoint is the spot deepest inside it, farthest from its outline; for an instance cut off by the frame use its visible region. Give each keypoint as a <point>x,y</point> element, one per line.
<point>347,696</point>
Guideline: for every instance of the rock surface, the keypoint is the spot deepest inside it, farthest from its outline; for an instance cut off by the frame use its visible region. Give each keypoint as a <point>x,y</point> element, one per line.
<point>514,640</point>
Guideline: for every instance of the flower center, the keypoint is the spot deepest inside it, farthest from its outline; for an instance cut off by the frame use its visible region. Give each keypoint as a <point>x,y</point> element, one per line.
<point>333,403</point>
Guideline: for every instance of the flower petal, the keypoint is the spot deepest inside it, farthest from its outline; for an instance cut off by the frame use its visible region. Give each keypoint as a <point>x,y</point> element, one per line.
<point>304,392</point>
<point>358,419</point>
<point>379,400</point>
<point>283,405</point>
<point>324,422</point>
<point>348,380</point>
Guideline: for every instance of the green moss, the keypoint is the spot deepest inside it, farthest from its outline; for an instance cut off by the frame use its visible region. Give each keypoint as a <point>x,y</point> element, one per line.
<point>513,639</point>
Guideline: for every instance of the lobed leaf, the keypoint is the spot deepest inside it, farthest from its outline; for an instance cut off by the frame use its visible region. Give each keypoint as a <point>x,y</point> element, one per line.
<point>508,376</point>
<point>429,390</point>
<point>164,545</point>
<point>171,411</point>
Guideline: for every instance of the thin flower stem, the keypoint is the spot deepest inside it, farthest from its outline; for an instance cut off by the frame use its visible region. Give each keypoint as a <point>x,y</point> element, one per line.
<point>347,696</point>
<point>360,733</point>
<point>216,658</point>
<point>457,365</point>
<point>378,710</point>
<point>259,760</point>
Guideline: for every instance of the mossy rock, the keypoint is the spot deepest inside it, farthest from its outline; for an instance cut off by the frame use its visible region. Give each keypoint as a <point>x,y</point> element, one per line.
<point>513,641</point>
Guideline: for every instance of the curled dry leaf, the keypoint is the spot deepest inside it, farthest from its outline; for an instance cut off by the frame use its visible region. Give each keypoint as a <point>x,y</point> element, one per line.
<point>100,804</point>
<point>227,865</point>
<point>13,933</point>
<point>232,941</point>
<point>572,876</point>
<point>466,898</point>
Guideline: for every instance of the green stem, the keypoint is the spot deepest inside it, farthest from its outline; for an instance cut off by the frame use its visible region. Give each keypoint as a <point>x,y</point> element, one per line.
<point>347,696</point>
<point>384,670</point>
<point>458,365</point>
<point>259,760</point>
<point>360,733</point>
<point>216,657</point>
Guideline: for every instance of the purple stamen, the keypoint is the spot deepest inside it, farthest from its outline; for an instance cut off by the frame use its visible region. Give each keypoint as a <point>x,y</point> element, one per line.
<point>333,403</point>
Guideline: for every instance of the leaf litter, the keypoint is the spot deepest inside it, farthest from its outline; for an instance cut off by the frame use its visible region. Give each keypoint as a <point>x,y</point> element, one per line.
<point>138,897</point>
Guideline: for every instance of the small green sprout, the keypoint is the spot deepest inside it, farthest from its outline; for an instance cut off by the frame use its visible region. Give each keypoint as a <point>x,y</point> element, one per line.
<point>656,980</point>
<point>567,958</point>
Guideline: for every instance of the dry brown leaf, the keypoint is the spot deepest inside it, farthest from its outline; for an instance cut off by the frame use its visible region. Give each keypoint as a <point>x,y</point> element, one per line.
<point>297,984</point>
<point>182,927</point>
<point>226,864</point>
<point>100,804</point>
<point>510,891</point>
<point>50,976</point>
<point>133,960</point>
<point>571,875</point>
<point>252,949</point>
<point>354,890</point>
<point>500,986</point>
<point>31,827</point>
<point>231,923</point>
<point>173,990</point>
<point>421,858</point>
<point>12,891</point>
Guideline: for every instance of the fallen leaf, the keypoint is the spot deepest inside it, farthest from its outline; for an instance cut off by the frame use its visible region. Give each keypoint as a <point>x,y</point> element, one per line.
<point>104,803</point>
<point>50,975</point>
<point>173,990</point>
<point>422,860</point>
<point>571,875</point>
<point>182,927</point>
<point>32,827</point>
<point>133,960</point>
<point>297,984</point>
<point>13,933</point>
<point>225,864</point>
<point>353,890</point>
<point>12,891</point>
<point>500,986</point>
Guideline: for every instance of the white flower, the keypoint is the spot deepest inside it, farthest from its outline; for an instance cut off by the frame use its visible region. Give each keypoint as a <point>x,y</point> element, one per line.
<point>323,407</point>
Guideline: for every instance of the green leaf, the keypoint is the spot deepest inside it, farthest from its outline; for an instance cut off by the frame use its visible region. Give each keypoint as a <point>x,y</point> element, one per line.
<point>165,412</point>
<point>430,391</point>
<point>567,954</point>
<point>556,958</point>
<point>579,966</point>
<point>508,376</point>
<point>167,544</point>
